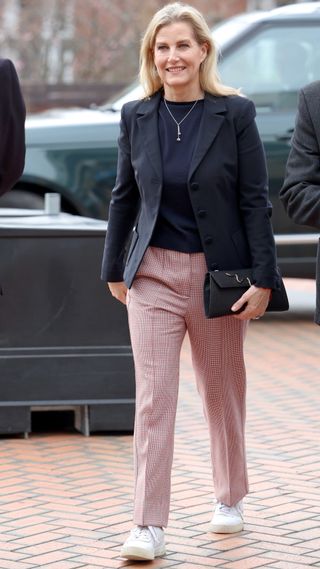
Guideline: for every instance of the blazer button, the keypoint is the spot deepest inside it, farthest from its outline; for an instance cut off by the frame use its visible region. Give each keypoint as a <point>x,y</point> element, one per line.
<point>202,213</point>
<point>208,239</point>
<point>194,186</point>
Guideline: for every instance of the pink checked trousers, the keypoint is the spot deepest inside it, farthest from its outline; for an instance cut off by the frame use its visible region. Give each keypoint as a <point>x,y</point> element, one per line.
<point>165,302</point>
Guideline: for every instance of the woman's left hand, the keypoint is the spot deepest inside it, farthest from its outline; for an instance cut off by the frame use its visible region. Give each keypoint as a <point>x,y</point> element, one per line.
<point>256,300</point>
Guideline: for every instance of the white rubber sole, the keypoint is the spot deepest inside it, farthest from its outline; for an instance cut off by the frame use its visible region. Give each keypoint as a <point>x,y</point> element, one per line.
<point>140,554</point>
<point>219,528</point>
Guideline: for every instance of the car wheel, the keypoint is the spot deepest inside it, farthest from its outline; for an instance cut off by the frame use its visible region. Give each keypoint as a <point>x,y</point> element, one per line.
<point>22,199</point>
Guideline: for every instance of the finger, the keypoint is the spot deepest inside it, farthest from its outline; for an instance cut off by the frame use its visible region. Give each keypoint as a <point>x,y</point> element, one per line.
<point>122,298</point>
<point>239,304</point>
<point>249,312</point>
<point>244,315</point>
<point>254,306</point>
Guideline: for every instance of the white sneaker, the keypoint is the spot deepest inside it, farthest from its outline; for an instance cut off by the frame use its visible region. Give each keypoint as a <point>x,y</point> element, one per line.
<point>227,519</point>
<point>144,542</point>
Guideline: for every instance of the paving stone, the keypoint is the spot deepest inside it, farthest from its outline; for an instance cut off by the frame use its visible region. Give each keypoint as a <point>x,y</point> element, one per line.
<point>65,500</point>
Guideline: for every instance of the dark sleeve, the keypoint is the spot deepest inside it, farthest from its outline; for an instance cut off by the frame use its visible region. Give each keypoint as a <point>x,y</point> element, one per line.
<point>254,202</point>
<point>124,205</point>
<point>12,117</point>
<point>300,193</point>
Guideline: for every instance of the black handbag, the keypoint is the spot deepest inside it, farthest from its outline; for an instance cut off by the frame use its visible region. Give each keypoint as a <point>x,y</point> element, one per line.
<point>223,288</point>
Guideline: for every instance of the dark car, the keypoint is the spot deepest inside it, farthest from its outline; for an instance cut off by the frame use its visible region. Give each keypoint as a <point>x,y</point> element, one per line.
<point>270,55</point>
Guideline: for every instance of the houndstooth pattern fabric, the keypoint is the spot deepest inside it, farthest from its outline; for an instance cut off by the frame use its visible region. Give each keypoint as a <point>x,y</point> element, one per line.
<point>164,303</point>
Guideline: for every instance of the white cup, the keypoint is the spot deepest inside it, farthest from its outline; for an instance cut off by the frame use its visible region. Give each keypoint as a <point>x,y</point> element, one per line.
<point>52,204</point>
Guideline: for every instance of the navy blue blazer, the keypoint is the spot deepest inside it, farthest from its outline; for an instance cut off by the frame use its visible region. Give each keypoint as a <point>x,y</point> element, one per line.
<point>227,183</point>
<point>12,117</point>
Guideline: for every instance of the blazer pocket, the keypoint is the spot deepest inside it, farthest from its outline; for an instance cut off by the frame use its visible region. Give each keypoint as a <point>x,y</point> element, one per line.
<point>133,243</point>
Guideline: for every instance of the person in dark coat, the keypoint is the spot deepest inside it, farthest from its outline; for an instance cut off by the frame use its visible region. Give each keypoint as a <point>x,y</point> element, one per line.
<point>300,193</point>
<point>12,117</point>
<point>192,190</point>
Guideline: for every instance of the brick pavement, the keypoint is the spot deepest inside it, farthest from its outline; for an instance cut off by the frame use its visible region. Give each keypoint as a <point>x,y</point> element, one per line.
<point>65,500</point>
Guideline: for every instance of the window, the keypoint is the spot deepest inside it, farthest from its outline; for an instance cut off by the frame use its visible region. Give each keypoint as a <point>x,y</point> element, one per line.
<point>271,66</point>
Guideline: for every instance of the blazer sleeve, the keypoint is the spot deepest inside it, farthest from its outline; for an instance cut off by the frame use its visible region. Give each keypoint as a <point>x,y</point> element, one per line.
<point>300,193</point>
<point>254,203</point>
<point>12,118</point>
<point>124,206</point>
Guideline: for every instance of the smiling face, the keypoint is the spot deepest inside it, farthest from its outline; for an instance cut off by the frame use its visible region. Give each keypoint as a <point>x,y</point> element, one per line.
<point>177,57</point>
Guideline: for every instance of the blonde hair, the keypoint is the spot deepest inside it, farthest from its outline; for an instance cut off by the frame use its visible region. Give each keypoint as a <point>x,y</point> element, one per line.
<point>208,73</point>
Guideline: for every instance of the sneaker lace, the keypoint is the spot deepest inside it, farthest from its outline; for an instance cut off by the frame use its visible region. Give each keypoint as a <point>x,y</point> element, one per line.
<point>142,532</point>
<point>228,510</point>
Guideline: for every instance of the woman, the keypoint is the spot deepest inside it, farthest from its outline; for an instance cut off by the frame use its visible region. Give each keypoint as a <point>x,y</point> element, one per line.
<point>192,185</point>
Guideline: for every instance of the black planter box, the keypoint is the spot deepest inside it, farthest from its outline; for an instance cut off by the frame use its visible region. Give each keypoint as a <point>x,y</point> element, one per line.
<point>63,339</point>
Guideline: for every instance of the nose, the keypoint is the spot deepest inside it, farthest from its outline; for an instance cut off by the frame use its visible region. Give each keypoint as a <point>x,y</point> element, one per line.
<point>173,55</point>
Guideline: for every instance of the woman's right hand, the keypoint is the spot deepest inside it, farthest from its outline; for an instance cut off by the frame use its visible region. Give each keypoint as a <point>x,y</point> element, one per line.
<point>119,291</point>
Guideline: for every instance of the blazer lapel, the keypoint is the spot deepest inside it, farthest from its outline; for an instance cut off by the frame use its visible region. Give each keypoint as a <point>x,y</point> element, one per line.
<point>147,115</point>
<point>211,122</point>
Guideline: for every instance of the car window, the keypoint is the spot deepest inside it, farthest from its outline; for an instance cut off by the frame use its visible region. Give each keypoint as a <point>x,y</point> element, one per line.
<point>273,64</point>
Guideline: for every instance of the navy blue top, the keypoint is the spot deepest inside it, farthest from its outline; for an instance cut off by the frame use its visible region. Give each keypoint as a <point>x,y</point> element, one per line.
<point>176,226</point>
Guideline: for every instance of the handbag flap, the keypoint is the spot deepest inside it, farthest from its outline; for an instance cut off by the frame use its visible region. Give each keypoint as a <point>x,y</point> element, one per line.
<point>233,279</point>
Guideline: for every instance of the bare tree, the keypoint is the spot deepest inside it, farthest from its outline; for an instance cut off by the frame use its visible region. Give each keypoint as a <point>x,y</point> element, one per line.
<point>86,41</point>
<point>37,40</point>
<point>108,34</point>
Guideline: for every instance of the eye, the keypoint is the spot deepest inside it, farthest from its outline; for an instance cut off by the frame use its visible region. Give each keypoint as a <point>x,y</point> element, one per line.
<point>161,47</point>
<point>184,45</point>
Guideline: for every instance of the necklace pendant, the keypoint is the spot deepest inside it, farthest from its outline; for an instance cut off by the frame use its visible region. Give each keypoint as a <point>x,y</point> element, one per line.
<point>178,139</point>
